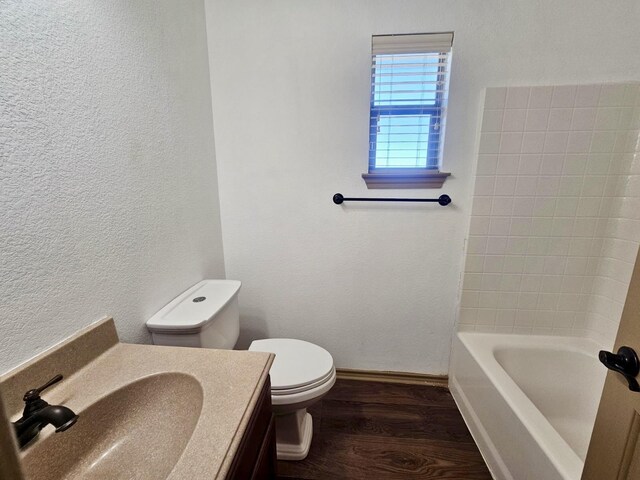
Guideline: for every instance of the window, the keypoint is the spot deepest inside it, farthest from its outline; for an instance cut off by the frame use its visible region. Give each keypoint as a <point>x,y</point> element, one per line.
<point>409,85</point>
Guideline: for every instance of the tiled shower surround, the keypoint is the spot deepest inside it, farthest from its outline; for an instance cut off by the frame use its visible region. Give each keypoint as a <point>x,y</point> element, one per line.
<point>555,223</point>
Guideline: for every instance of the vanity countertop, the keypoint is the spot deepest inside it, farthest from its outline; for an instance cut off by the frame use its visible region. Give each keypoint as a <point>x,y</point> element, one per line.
<point>230,383</point>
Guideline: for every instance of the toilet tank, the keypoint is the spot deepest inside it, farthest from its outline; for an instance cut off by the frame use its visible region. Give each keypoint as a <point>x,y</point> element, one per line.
<point>206,316</point>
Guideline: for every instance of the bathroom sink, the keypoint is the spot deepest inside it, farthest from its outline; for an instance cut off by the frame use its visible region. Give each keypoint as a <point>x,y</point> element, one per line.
<point>137,431</point>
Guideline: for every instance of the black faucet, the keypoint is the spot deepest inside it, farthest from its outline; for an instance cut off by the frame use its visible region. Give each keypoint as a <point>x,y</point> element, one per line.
<point>37,414</point>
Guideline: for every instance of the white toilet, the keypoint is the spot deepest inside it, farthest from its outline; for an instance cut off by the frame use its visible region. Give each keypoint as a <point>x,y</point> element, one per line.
<point>207,316</point>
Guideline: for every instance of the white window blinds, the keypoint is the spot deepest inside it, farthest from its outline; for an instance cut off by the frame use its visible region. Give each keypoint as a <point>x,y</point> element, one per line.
<point>409,84</point>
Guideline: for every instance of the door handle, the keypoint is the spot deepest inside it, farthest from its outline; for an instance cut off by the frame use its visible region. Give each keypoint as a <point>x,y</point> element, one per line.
<point>624,362</point>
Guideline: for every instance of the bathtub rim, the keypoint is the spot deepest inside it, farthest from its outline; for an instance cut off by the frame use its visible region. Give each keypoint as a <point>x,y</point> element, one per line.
<point>482,347</point>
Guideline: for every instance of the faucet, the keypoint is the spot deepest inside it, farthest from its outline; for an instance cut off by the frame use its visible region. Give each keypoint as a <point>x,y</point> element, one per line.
<point>37,414</point>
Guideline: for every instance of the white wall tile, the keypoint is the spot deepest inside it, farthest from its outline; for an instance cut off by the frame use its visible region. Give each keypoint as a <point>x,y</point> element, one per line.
<point>556,142</point>
<point>552,164</point>
<point>563,96</point>
<point>517,246</point>
<point>469,299</point>
<point>520,227</point>
<point>584,227</point>
<point>479,226</point>
<point>485,185</point>
<point>508,164</point>
<point>583,119</point>
<point>579,142</point>
<point>492,120</point>
<point>607,118</point>
<point>598,164</point>
<point>495,98</point>
<point>513,264</point>
<point>541,226</point>
<point>472,281</point>
<point>547,301</point>
<point>528,300</point>
<point>560,119</point>
<point>530,164</point>
<point>489,143</point>
<point>534,265</point>
<point>537,120</point>
<point>468,316</point>
<point>570,186</point>
<point>548,185</point>
<point>518,97</point>
<point>567,206</point>
<point>587,96</point>
<point>490,281</point>
<point>612,95</point>
<point>487,299</point>
<point>603,142</point>
<point>496,245</point>
<point>525,318</point>
<point>555,223</point>
<point>544,207</point>
<point>510,282</point>
<point>551,283</point>
<point>593,185</point>
<point>487,164</point>
<point>537,246</point>
<point>477,245</point>
<point>540,97</point>
<point>502,206</point>
<point>506,185</point>
<point>523,206</point>
<point>474,263</point>
<point>533,142</point>
<point>514,120</point>
<point>562,227</point>
<point>481,205</point>
<point>554,265</point>
<point>574,164</point>
<point>526,186</point>
<point>499,226</point>
<point>486,316</point>
<point>511,142</point>
<point>529,283</point>
<point>506,317</point>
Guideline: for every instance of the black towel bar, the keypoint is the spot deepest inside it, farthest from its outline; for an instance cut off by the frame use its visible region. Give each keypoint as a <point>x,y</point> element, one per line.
<point>443,200</point>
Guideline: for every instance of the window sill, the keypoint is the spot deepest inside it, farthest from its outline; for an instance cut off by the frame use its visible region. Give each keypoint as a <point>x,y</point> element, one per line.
<point>432,179</point>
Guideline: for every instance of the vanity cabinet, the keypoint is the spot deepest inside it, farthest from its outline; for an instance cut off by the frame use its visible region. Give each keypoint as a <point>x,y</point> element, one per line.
<point>256,455</point>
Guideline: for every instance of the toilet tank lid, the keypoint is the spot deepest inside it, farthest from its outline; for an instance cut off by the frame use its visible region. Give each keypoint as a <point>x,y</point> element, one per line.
<point>194,308</point>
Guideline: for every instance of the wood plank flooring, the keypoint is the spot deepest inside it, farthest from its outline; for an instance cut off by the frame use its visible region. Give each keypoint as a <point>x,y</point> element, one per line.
<point>382,431</point>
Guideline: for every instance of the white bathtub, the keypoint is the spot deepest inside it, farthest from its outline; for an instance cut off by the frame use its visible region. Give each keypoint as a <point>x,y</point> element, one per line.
<point>530,401</point>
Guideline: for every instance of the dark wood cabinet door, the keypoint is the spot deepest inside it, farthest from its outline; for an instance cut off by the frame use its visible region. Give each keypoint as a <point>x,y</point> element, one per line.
<point>256,455</point>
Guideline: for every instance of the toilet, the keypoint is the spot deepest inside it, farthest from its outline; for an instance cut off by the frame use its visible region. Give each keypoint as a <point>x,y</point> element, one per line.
<point>207,316</point>
<point>302,373</point>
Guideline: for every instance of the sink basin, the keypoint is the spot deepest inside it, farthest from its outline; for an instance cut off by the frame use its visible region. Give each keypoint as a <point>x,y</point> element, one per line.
<point>152,419</point>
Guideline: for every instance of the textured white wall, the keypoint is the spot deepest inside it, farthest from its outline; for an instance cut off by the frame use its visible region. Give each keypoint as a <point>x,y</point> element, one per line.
<point>377,285</point>
<point>108,197</point>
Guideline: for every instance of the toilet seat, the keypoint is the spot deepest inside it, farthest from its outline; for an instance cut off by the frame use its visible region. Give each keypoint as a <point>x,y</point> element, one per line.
<point>305,397</point>
<point>298,364</point>
<point>304,388</point>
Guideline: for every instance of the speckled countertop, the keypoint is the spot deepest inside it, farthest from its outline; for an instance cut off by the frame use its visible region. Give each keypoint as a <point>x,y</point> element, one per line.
<point>176,381</point>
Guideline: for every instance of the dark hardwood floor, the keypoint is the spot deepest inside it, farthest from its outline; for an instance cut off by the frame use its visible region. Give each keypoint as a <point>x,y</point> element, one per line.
<point>373,430</point>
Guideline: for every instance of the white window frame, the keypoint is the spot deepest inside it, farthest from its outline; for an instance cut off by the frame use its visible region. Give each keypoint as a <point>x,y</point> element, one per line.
<point>429,175</point>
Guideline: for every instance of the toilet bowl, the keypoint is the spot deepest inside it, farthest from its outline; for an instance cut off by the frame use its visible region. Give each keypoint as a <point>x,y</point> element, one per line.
<point>207,316</point>
<point>302,373</point>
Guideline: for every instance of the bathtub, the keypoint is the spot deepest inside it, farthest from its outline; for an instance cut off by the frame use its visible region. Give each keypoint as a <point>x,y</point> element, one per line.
<point>529,401</point>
